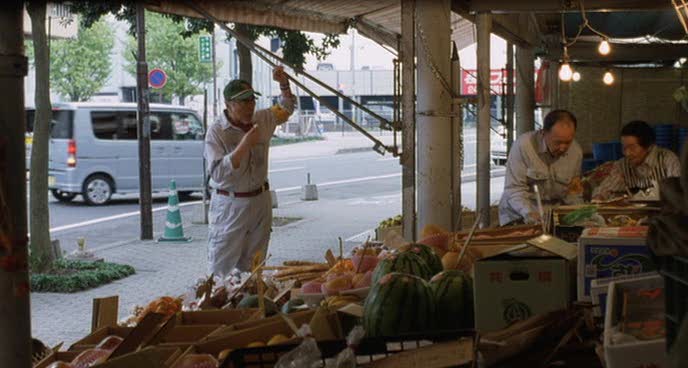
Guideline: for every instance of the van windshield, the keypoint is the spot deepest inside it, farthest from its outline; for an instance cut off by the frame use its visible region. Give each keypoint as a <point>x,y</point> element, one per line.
<point>61,124</point>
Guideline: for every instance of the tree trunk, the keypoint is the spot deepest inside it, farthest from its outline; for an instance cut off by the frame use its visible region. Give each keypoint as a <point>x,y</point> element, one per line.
<point>245,62</point>
<point>15,320</point>
<point>41,249</point>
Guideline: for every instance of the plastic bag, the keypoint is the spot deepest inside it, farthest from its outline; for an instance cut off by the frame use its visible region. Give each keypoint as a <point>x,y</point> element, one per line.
<point>347,357</point>
<point>579,215</point>
<point>305,355</point>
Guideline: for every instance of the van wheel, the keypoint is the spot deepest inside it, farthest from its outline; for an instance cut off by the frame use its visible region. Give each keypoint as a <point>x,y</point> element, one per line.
<point>97,190</point>
<point>63,196</point>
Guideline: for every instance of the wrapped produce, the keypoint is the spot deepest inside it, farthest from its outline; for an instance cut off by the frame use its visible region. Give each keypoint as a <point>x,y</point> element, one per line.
<point>197,361</point>
<point>90,357</point>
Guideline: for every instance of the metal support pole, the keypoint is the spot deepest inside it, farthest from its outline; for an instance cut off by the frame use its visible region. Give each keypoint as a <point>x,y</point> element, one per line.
<point>509,96</point>
<point>407,53</point>
<point>457,140</point>
<point>15,311</point>
<point>205,163</point>
<point>434,130</point>
<point>525,89</point>
<point>484,23</point>
<point>212,39</point>
<point>146,198</point>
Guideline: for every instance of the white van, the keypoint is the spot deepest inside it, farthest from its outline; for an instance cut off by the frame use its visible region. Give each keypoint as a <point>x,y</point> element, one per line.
<point>94,150</point>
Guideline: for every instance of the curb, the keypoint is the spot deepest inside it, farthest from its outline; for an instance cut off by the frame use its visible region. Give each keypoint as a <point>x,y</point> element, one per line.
<point>353,150</point>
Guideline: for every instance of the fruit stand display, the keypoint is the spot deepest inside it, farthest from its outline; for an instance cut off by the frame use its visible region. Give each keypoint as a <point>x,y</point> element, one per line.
<point>418,297</point>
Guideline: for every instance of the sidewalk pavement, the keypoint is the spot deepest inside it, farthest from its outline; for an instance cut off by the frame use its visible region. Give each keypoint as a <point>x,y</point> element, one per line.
<point>334,143</point>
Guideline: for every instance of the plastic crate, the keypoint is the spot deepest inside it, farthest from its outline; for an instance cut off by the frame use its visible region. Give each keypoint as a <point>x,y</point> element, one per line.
<point>368,350</point>
<point>675,272</point>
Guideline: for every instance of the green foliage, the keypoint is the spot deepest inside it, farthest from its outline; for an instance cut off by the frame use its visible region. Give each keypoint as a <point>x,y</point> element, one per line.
<point>69,276</point>
<point>168,50</point>
<point>80,67</point>
<point>296,44</point>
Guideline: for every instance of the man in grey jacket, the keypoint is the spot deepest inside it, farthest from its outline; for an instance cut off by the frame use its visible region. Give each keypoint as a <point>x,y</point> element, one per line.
<point>236,149</point>
<point>550,158</point>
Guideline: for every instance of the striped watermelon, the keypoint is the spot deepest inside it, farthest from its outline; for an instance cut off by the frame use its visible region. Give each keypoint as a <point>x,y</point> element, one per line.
<point>399,304</point>
<point>428,255</point>
<point>453,293</point>
<point>404,262</point>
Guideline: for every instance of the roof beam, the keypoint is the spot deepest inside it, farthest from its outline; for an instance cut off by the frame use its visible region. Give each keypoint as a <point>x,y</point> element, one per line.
<point>247,12</point>
<point>621,53</point>
<point>549,6</point>
<point>515,28</point>
<point>377,33</point>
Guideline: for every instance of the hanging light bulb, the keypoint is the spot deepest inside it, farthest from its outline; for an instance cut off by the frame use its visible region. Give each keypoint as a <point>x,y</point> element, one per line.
<point>604,47</point>
<point>575,76</point>
<point>608,78</point>
<point>565,72</point>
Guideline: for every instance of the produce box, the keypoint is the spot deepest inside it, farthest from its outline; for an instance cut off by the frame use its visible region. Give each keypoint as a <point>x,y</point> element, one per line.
<point>630,354</point>
<point>95,337</point>
<point>381,232</point>
<point>215,316</point>
<point>262,332</point>
<point>510,288</point>
<point>599,288</point>
<point>611,215</point>
<point>611,252</point>
<point>153,356</point>
<point>57,356</point>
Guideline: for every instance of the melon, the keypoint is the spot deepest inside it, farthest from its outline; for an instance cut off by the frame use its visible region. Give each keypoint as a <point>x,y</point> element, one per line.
<point>362,280</point>
<point>251,301</point>
<point>428,255</point>
<point>311,287</point>
<point>399,304</point>
<point>404,262</point>
<point>333,287</point>
<point>438,242</point>
<point>453,296</point>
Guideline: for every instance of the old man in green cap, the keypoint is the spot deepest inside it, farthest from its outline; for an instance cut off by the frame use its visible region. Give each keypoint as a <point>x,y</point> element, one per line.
<point>236,149</point>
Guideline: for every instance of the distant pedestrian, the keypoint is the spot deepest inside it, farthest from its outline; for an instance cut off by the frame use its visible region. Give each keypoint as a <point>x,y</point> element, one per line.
<point>236,149</point>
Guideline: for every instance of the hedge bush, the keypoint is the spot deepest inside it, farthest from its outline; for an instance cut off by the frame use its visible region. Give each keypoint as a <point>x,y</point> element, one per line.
<point>68,276</point>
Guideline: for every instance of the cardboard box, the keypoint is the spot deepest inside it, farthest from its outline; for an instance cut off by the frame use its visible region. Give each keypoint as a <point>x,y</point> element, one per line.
<point>637,354</point>
<point>259,332</point>
<point>508,289</point>
<point>611,252</point>
<point>215,316</point>
<point>146,357</point>
<point>94,338</point>
<point>57,356</point>
<point>599,288</point>
<point>381,233</point>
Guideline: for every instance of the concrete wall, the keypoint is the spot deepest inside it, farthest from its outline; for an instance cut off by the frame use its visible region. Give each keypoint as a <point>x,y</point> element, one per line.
<point>644,94</point>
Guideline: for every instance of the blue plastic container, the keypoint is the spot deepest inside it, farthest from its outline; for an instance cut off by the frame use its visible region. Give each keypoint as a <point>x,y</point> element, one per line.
<point>607,151</point>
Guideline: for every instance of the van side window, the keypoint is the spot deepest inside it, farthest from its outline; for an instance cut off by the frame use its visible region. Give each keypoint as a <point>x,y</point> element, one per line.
<point>60,125</point>
<point>186,127</point>
<point>106,125</point>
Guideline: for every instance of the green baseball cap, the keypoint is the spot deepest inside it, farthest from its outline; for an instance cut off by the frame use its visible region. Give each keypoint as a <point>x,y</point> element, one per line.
<point>239,89</point>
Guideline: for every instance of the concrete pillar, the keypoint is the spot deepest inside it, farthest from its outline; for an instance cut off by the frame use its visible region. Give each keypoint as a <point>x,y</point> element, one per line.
<point>484,25</point>
<point>15,317</point>
<point>509,96</point>
<point>525,89</point>
<point>433,117</point>
<point>407,54</point>
<point>457,140</point>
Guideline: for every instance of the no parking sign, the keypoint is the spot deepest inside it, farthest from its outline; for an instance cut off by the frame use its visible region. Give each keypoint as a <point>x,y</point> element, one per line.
<point>157,78</point>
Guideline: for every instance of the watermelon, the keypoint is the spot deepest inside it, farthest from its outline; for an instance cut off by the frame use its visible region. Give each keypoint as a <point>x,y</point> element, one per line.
<point>453,293</point>
<point>428,255</point>
<point>251,301</point>
<point>404,262</point>
<point>398,304</point>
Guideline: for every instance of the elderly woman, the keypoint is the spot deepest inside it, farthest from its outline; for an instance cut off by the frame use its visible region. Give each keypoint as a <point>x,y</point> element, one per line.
<point>643,164</point>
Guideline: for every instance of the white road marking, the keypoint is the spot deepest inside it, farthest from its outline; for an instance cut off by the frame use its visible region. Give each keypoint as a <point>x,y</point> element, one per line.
<point>370,232</point>
<point>287,169</point>
<point>115,217</point>
<point>387,159</point>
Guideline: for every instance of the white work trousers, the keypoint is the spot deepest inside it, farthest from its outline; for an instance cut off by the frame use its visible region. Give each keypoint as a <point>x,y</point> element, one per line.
<point>238,228</point>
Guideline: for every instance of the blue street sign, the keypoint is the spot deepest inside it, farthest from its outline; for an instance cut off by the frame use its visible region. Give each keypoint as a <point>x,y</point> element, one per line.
<point>157,78</point>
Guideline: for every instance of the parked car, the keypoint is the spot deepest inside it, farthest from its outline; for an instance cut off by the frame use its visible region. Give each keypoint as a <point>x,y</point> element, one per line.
<point>386,112</point>
<point>93,150</point>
